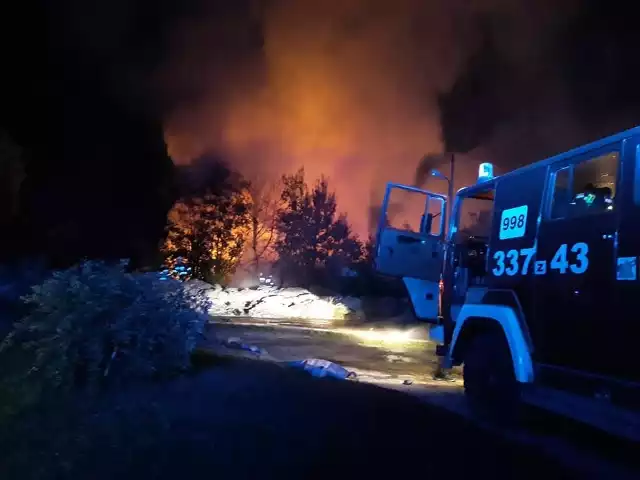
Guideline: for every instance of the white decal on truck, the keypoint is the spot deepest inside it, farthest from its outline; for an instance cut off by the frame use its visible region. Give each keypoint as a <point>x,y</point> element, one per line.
<point>514,262</point>
<point>513,223</point>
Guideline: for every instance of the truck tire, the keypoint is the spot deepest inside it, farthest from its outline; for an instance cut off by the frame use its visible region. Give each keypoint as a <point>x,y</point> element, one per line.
<point>490,385</point>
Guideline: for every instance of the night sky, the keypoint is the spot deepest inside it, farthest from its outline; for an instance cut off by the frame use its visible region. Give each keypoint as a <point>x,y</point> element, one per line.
<point>354,89</point>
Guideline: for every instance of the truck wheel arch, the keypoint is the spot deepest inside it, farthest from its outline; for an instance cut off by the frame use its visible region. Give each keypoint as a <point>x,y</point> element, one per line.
<point>477,319</point>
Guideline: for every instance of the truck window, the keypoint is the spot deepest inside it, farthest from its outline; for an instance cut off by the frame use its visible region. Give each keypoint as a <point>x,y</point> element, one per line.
<point>585,188</point>
<point>474,219</point>
<point>406,209</point>
<point>475,216</point>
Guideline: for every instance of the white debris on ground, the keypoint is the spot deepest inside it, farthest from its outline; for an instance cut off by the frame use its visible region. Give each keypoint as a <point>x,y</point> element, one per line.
<point>267,301</point>
<point>316,367</point>
<point>320,368</point>
<point>399,359</point>
<point>238,344</point>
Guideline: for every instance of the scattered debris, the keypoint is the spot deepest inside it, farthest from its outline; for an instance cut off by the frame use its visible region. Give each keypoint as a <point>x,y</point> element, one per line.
<point>442,376</point>
<point>237,344</point>
<point>320,368</point>
<point>399,359</point>
<point>232,342</point>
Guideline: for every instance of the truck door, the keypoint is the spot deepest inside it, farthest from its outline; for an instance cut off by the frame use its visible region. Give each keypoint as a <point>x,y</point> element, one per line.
<point>410,243</point>
<point>575,262</point>
<point>623,318</point>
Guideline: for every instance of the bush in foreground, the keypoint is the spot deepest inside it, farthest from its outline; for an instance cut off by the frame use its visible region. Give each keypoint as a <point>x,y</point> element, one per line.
<point>95,324</point>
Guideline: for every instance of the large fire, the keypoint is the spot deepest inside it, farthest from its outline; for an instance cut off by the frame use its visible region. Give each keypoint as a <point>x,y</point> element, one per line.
<point>344,88</point>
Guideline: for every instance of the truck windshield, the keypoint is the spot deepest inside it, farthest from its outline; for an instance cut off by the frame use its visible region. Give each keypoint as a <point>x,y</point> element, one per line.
<point>475,217</point>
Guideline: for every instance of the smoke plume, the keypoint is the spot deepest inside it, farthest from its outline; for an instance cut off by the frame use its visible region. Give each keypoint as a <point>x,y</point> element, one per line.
<point>348,89</point>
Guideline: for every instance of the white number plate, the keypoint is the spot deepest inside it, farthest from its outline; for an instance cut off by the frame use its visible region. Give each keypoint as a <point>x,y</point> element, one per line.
<point>513,223</point>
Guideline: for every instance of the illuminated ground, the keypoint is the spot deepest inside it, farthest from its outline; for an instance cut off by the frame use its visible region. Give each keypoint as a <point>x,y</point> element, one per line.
<point>391,354</point>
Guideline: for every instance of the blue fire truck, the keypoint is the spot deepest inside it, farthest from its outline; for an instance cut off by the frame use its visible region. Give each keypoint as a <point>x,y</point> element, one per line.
<point>534,286</point>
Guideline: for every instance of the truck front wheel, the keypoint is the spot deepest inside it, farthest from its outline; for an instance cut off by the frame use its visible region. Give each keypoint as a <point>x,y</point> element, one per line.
<point>489,379</point>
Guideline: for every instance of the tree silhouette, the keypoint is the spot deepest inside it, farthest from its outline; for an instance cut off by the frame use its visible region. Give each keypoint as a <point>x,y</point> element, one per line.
<point>210,224</point>
<point>314,242</point>
<point>210,233</point>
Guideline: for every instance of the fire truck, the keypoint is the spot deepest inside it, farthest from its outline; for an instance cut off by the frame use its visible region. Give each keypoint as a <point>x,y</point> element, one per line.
<point>533,285</point>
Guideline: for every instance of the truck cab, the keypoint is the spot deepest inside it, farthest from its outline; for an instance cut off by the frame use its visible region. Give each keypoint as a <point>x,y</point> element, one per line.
<point>540,287</point>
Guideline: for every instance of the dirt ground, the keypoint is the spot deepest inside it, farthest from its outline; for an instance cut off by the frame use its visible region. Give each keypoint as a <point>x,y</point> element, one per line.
<point>250,419</point>
<point>393,365</point>
<point>415,360</point>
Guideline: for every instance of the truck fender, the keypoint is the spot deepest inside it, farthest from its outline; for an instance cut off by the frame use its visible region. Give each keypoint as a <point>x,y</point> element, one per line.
<point>474,317</point>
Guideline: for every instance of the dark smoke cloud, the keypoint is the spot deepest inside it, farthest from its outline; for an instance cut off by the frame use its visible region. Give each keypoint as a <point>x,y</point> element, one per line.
<point>427,164</point>
<point>346,88</point>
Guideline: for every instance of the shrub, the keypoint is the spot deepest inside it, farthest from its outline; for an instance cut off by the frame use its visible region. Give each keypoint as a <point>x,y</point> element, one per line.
<point>95,323</point>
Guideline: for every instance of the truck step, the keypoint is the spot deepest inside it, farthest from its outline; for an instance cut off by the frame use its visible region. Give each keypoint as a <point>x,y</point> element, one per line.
<point>595,412</point>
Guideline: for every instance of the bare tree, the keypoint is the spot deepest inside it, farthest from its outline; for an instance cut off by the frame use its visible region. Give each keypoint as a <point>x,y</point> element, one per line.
<point>265,195</point>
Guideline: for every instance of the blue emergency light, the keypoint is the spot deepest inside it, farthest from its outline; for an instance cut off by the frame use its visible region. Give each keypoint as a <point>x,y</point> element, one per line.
<point>485,172</point>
